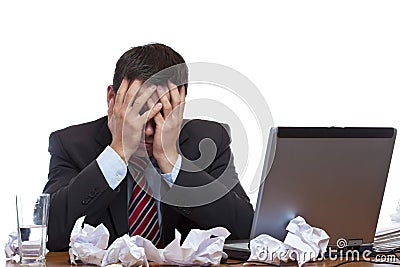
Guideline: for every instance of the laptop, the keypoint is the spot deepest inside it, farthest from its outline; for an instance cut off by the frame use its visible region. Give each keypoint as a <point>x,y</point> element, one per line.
<point>333,177</point>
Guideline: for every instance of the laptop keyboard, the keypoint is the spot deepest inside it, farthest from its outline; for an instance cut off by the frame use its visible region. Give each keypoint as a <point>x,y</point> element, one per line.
<point>237,245</point>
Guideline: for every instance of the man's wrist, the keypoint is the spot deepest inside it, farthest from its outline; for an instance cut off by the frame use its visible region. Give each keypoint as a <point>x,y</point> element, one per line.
<point>119,151</point>
<point>167,162</point>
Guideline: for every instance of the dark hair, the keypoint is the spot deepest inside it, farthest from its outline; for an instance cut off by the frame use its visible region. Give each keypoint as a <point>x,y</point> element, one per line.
<point>142,62</point>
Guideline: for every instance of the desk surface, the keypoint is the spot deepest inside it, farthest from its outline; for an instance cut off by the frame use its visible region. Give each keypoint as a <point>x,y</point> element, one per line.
<point>60,259</point>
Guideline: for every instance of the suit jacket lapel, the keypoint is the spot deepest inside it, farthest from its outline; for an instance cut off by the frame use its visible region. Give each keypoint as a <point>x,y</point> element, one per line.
<point>119,208</point>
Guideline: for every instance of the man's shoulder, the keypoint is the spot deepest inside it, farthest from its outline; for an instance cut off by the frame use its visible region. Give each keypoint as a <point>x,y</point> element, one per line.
<point>196,127</point>
<point>83,129</point>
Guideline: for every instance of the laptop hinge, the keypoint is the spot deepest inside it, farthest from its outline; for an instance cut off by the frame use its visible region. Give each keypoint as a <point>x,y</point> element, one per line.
<point>354,242</point>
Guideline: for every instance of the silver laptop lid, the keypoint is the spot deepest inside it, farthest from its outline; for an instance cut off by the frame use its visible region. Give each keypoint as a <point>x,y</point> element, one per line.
<point>333,177</point>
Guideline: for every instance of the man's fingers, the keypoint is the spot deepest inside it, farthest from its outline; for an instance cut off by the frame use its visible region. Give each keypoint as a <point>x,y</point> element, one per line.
<point>182,94</point>
<point>162,90</point>
<point>142,99</point>
<point>158,119</point>
<point>154,97</point>
<point>119,98</point>
<point>110,108</point>
<point>163,94</point>
<point>131,93</point>
<point>175,97</point>
<point>150,103</point>
<point>152,112</point>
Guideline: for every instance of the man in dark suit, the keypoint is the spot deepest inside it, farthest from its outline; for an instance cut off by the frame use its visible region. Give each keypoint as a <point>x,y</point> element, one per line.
<point>92,172</point>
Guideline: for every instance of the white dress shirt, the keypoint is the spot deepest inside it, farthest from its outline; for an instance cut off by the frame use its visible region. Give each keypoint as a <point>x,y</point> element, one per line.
<point>114,170</point>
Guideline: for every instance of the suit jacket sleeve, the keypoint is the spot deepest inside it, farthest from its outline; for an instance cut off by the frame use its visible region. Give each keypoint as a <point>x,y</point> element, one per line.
<point>77,188</point>
<point>216,190</point>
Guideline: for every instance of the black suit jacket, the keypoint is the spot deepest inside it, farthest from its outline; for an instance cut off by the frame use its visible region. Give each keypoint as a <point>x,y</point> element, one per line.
<point>78,187</point>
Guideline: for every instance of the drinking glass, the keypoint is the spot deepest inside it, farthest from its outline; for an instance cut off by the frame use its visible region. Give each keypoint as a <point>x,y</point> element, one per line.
<point>32,217</point>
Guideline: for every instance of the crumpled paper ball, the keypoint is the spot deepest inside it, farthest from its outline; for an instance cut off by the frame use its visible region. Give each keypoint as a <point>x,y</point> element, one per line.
<point>303,243</point>
<point>11,248</point>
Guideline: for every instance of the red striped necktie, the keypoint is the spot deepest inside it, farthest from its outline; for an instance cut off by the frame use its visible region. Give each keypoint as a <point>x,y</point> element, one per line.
<point>143,218</point>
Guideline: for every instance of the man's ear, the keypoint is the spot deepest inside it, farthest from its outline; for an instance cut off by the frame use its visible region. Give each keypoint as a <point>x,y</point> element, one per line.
<point>110,94</point>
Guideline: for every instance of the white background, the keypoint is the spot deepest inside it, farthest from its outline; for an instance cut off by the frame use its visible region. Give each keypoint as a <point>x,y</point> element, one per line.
<point>317,63</point>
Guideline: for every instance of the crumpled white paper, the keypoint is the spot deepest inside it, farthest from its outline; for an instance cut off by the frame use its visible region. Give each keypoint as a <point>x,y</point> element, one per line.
<point>88,244</point>
<point>303,243</point>
<point>11,247</point>
<point>125,251</point>
<point>201,247</point>
<point>266,248</point>
<point>306,241</point>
